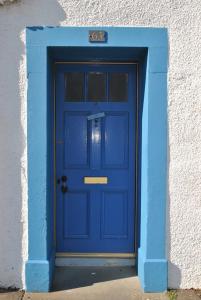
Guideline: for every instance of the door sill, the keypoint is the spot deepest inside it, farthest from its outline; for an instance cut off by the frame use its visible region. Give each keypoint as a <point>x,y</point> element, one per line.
<point>95,255</point>
<point>95,259</point>
<point>93,262</point>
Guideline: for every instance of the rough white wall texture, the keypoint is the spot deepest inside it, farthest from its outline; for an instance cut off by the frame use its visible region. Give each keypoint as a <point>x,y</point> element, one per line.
<point>182,18</point>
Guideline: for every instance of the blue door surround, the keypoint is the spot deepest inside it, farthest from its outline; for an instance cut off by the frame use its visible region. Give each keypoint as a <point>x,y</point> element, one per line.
<point>149,46</point>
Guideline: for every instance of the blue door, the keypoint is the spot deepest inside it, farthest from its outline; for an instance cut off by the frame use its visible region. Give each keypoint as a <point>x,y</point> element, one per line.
<point>95,157</point>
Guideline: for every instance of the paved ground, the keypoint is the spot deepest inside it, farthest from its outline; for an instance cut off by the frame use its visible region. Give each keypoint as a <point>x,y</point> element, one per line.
<point>98,284</point>
<point>5,295</point>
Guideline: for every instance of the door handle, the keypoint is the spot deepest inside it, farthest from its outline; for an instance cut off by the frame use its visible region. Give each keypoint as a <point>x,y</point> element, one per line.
<point>62,180</point>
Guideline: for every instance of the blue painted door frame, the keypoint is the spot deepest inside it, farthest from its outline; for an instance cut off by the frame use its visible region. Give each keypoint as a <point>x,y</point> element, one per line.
<point>152,262</point>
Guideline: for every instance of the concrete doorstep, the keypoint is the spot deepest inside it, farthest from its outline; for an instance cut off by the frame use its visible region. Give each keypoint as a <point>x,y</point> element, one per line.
<point>99,283</point>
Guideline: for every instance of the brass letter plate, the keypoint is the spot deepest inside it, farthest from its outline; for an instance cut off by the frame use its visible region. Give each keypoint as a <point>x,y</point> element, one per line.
<point>95,180</point>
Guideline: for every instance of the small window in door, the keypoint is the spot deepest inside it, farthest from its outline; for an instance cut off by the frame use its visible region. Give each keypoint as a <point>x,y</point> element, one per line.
<point>74,86</point>
<point>96,87</point>
<point>118,87</point>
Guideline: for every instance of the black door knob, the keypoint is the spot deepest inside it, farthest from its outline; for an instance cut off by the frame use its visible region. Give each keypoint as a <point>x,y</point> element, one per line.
<point>64,178</point>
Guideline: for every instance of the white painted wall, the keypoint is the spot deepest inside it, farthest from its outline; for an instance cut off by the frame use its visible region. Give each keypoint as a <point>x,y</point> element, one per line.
<point>182,18</point>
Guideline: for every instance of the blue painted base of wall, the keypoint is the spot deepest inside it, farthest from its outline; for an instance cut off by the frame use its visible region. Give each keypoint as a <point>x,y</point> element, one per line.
<point>39,274</point>
<point>152,273</point>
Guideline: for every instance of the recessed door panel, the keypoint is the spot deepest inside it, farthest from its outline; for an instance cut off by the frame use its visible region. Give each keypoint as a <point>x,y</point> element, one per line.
<point>115,140</point>
<point>76,140</point>
<point>95,157</point>
<point>114,216</point>
<point>76,204</point>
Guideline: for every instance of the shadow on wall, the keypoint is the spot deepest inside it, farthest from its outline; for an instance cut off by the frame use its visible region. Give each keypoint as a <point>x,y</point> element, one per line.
<point>13,20</point>
<point>175,278</point>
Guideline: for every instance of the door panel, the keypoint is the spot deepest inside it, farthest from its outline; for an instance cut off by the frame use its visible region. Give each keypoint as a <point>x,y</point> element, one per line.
<point>76,140</point>
<point>95,137</point>
<point>117,226</point>
<point>115,142</point>
<point>76,204</point>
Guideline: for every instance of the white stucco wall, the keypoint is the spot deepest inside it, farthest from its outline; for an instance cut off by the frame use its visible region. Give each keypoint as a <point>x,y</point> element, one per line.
<point>182,18</point>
